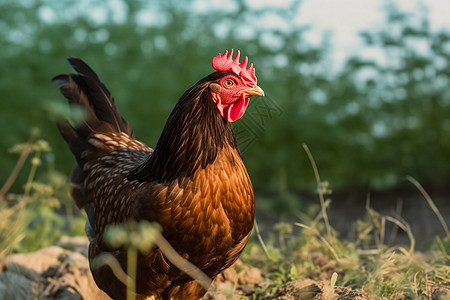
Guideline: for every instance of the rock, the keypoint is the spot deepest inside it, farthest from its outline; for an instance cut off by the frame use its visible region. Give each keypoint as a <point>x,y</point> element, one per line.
<point>223,286</point>
<point>15,286</point>
<point>229,274</point>
<point>220,291</point>
<point>50,273</point>
<point>36,262</point>
<point>440,294</point>
<point>229,283</point>
<point>250,276</point>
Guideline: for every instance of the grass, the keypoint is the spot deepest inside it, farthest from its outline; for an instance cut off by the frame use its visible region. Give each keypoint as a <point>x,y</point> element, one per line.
<point>383,272</point>
<point>366,263</point>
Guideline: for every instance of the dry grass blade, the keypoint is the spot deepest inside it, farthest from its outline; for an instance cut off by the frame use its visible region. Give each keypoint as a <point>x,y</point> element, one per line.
<point>398,213</point>
<point>405,227</point>
<point>321,191</point>
<point>430,203</point>
<point>109,260</point>
<point>19,164</point>
<point>261,241</point>
<point>181,263</point>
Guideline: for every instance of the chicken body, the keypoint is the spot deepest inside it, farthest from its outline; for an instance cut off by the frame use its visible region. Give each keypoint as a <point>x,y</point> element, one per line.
<point>194,184</point>
<point>209,232</point>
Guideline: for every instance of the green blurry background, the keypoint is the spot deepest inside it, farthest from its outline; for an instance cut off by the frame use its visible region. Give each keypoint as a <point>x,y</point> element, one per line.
<point>368,123</point>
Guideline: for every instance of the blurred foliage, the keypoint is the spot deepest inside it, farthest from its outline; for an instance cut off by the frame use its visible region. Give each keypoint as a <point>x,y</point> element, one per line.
<point>368,124</point>
<point>43,211</point>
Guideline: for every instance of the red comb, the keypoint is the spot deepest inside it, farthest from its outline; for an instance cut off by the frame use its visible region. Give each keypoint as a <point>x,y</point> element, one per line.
<point>226,63</point>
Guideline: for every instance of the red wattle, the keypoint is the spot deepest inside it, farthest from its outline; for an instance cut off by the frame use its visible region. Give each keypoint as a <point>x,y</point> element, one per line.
<point>237,109</point>
<point>232,111</point>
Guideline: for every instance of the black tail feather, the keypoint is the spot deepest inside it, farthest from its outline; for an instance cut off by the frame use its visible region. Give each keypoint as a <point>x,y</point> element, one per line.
<point>104,105</point>
<point>87,91</point>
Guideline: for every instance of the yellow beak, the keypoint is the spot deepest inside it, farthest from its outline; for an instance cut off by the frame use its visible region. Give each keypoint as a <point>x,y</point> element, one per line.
<point>253,91</point>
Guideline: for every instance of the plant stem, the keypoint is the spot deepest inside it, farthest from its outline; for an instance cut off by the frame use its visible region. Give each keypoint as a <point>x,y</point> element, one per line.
<point>320,192</point>
<point>261,241</point>
<point>131,270</point>
<point>431,204</point>
<point>31,174</point>
<point>19,164</point>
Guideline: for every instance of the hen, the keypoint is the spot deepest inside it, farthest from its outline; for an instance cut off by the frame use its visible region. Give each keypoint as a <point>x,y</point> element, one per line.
<point>194,183</point>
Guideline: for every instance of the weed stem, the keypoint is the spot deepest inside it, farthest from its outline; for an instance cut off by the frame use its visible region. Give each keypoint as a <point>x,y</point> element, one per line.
<point>131,270</point>
<point>430,203</point>
<point>321,191</point>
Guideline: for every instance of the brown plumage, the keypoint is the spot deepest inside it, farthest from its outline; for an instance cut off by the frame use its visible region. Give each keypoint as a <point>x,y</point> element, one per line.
<point>194,184</point>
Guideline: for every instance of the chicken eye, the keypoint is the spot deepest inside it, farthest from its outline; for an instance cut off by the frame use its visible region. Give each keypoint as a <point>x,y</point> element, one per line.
<point>229,83</point>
